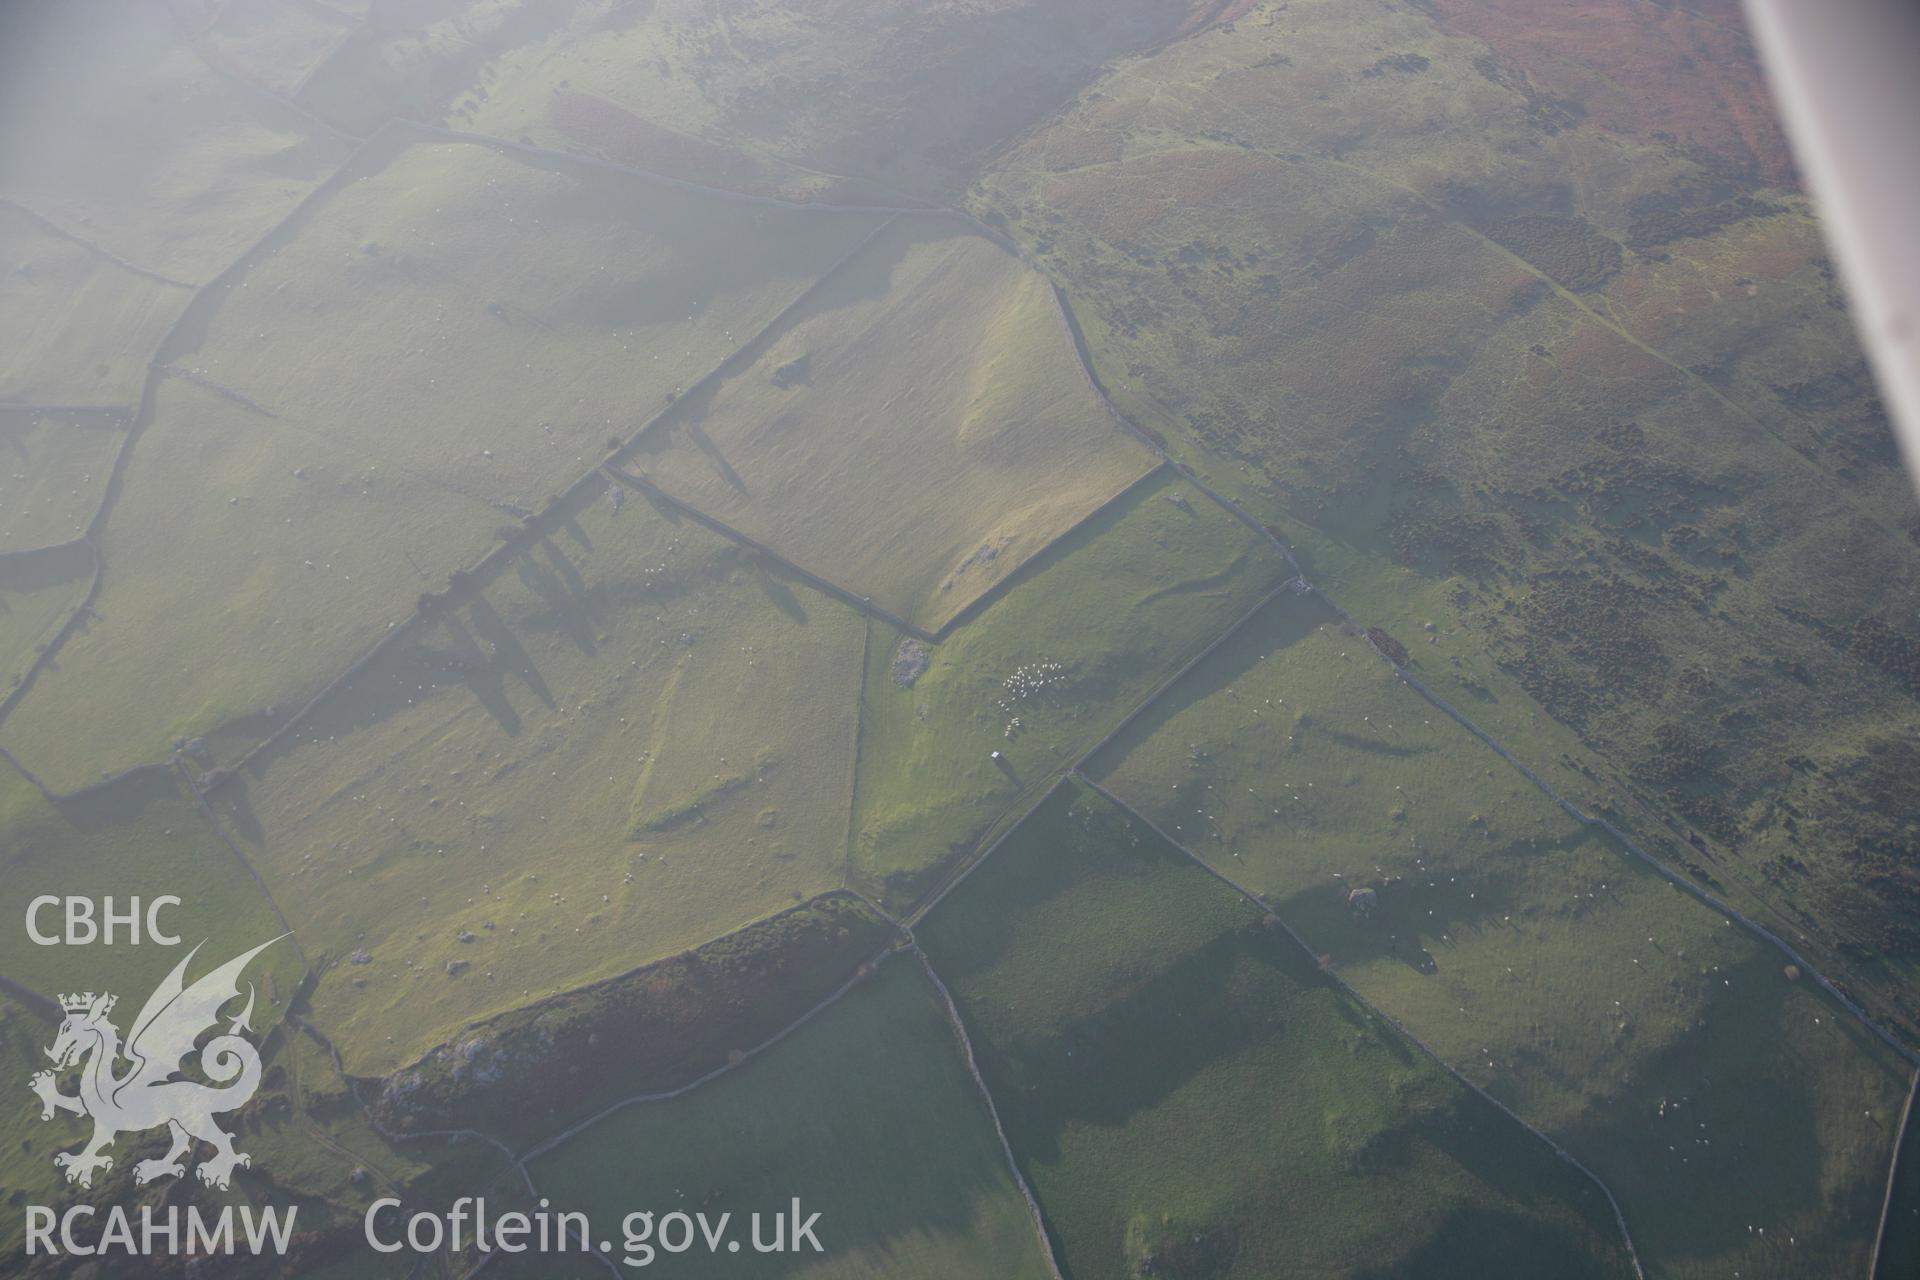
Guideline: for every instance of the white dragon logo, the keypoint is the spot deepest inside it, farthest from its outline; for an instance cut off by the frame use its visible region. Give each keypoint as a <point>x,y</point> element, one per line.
<point>147,1095</point>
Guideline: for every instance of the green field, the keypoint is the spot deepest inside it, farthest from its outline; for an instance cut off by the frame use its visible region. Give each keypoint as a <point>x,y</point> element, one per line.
<point>866,1113</point>
<point>53,471</point>
<point>142,836</point>
<point>39,590</point>
<point>1188,1094</point>
<point>1070,648</point>
<point>504,319</point>
<point>250,562</point>
<point>1664,1046</point>
<point>28,1169</point>
<point>627,739</point>
<point>75,328</point>
<point>914,433</point>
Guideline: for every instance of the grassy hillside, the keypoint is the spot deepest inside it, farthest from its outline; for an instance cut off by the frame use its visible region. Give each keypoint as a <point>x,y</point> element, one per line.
<point>1189,1094</point>
<point>39,590</point>
<point>867,1114</point>
<point>914,432</point>
<point>493,321</point>
<point>621,740</point>
<point>25,1034</point>
<point>53,472</point>
<point>120,133</point>
<point>141,837</point>
<point>275,44</point>
<point>1071,646</point>
<point>1709,1085</point>
<point>1481,345</point>
<point>463,548</point>
<point>76,328</point>
<point>660,1027</point>
<point>249,562</point>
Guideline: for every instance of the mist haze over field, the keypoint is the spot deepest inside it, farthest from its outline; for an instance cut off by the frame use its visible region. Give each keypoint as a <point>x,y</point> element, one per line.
<point>1131,639</point>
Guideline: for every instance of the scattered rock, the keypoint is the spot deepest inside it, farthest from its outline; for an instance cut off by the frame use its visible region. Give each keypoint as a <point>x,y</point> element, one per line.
<point>793,373</point>
<point>360,957</point>
<point>457,967</point>
<point>985,554</point>
<point>1387,647</point>
<point>909,662</point>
